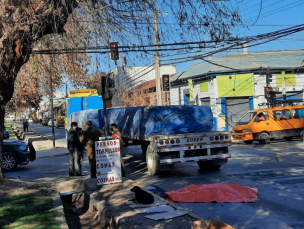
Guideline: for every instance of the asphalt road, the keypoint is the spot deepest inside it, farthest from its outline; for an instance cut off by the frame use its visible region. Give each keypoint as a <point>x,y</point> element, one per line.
<point>276,169</point>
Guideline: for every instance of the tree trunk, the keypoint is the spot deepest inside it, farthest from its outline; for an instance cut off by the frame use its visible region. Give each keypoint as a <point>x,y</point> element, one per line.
<point>22,23</point>
<point>2,113</point>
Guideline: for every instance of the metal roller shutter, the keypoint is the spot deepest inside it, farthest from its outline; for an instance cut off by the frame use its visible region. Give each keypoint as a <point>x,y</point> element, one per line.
<point>236,107</point>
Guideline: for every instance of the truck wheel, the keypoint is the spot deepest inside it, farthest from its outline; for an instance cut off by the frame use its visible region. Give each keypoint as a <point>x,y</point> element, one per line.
<point>144,146</point>
<point>208,165</point>
<point>264,138</point>
<point>301,136</point>
<point>204,165</point>
<point>152,159</point>
<point>248,142</point>
<point>10,162</point>
<point>288,138</point>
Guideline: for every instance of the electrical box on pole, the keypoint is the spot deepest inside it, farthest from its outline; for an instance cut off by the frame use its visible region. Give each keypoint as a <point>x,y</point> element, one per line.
<point>110,83</point>
<point>268,79</point>
<point>114,50</point>
<point>166,82</point>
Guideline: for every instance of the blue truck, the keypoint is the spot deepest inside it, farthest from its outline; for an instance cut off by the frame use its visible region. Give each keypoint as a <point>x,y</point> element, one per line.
<point>168,135</point>
<point>80,100</point>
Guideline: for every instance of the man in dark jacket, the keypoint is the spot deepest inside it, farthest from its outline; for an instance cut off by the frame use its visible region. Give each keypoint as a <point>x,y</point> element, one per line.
<point>122,147</point>
<point>89,137</point>
<point>75,157</point>
<point>25,125</point>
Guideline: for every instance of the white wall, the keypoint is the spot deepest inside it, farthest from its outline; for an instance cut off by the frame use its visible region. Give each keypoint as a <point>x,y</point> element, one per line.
<point>128,77</point>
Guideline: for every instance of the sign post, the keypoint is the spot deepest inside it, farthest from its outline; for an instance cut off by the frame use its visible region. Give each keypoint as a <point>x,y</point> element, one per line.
<point>108,161</point>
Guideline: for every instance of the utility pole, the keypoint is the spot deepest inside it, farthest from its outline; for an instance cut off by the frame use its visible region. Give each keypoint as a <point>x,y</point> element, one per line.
<point>157,70</point>
<point>157,62</point>
<point>51,100</point>
<point>283,85</point>
<point>104,101</point>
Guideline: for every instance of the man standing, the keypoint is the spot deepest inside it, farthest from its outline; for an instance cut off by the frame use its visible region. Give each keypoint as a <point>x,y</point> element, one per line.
<point>89,137</point>
<point>25,125</point>
<point>75,157</point>
<point>122,147</point>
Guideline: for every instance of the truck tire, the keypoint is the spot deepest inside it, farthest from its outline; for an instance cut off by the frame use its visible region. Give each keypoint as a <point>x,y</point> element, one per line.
<point>248,142</point>
<point>10,162</point>
<point>144,145</point>
<point>208,165</point>
<point>288,138</point>
<point>152,159</point>
<point>264,138</point>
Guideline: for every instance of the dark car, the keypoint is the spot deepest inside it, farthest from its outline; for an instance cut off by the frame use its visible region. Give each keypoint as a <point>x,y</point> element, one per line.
<point>16,153</point>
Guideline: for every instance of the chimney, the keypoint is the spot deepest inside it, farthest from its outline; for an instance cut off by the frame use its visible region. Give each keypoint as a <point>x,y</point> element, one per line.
<point>210,57</point>
<point>244,46</point>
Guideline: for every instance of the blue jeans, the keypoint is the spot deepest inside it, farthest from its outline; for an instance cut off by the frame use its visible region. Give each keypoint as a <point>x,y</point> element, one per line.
<point>76,159</point>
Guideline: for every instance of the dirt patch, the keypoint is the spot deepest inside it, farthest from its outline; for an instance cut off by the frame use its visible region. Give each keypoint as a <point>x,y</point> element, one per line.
<point>10,187</point>
<point>107,209</point>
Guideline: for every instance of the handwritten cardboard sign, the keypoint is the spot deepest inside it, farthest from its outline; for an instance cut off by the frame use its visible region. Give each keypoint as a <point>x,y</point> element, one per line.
<point>108,161</point>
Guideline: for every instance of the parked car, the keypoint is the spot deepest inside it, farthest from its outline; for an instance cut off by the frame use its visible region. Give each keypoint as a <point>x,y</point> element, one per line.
<point>60,122</point>
<point>50,122</point>
<point>31,120</point>
<point>15,153</point>
<point>45,121</point>
<point>36,120</point>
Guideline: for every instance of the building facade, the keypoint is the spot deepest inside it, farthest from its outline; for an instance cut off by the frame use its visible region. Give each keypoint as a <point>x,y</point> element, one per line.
<point>234,84</point>
<point>129,78</point>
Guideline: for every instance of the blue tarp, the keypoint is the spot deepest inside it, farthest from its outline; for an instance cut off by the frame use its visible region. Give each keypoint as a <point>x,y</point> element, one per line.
<point>146,121</point>
<point>176,120</point>
<point>81,117</point>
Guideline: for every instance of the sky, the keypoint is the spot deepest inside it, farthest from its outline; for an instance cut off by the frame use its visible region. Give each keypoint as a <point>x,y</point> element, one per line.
<point>273,15</point>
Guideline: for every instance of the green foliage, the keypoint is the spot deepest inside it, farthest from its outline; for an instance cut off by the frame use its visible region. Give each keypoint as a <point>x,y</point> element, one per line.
<point>9,129</point>
<point>27,211</point>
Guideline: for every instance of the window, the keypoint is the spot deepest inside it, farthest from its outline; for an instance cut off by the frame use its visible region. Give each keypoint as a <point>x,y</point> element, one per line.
<point>298,113</point>
<point>281,115</point>
<point>246,118</point>
<point>262,116</point>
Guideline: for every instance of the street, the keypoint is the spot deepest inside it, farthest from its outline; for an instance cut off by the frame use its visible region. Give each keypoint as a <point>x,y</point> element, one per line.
<point>276,169</point>
<point>46,131</point>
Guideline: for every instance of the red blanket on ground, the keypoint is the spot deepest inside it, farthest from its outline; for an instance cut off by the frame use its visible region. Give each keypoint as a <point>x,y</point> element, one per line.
<point>219,192</point>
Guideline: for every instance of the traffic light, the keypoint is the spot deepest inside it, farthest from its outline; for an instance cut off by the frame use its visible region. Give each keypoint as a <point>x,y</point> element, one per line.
<point>268,79</point>
<point>270,92</point>
<point>166,82</point>
<point>267,92</point>
<point>114,50</point>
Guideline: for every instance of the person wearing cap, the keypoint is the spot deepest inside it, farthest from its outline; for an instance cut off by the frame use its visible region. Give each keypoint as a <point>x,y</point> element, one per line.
<point>75,157</point>
<point>89,137</point>
<point>116,132</point>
